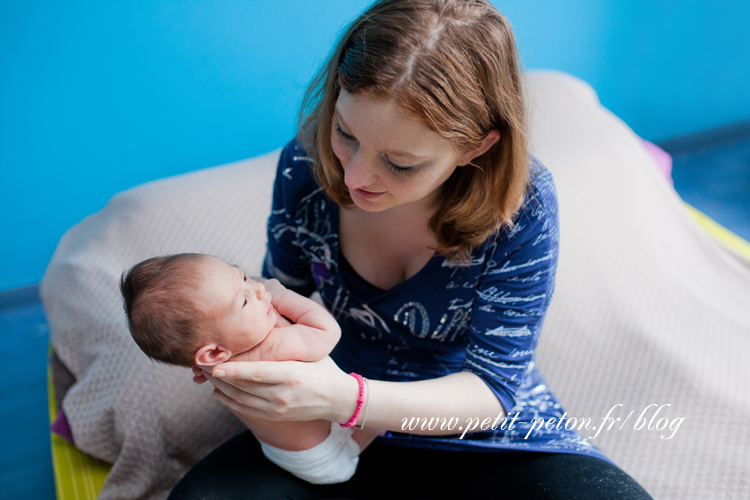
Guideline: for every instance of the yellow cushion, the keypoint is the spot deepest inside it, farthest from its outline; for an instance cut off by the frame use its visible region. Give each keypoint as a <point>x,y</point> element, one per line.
<point>77,475</point>
<point>722,234</point>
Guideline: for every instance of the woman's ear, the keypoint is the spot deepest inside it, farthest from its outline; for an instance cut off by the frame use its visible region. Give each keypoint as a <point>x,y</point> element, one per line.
<point>484,145</point>
<point>212,355</point>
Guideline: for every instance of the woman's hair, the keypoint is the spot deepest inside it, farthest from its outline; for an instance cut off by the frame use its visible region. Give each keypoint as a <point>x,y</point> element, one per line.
<point>163,316</point>
<point>453,65</point>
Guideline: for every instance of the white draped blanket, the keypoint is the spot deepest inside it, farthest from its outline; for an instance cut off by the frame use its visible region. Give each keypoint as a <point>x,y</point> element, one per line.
<point>648,309</point>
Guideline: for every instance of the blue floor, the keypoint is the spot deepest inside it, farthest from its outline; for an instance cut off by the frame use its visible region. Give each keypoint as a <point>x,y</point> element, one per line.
<point>711,172</point>
<point>25,459</point>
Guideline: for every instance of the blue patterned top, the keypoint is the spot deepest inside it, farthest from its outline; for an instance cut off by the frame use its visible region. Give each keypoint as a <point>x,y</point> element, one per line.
<point>484,318</point>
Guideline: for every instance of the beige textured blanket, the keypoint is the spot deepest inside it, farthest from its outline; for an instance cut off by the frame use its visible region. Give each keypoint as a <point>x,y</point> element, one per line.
<point>649,310</point>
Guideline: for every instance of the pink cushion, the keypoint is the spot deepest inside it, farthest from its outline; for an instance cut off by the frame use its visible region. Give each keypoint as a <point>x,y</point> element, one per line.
<point>61,427</point>
<point>662,158</point>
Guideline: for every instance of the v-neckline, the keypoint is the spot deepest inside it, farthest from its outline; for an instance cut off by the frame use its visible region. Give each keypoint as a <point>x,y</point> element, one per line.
<point>385,292</point>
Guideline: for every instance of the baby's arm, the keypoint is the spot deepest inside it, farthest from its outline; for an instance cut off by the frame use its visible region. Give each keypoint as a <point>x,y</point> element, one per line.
<point>312,335</point>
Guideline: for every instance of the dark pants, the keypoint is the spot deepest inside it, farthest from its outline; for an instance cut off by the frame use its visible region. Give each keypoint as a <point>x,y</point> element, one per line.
<point>238,470</point>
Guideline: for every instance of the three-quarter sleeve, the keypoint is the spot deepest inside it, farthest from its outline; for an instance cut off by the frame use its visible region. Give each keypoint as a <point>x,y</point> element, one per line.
<point>285,259</point>
<point>512,295</point>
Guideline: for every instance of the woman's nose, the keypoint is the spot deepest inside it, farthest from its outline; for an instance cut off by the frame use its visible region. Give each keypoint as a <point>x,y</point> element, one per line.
<point>359,172</point>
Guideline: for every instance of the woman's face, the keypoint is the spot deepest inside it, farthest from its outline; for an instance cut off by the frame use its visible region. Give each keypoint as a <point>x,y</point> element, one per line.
<point>389,158</point>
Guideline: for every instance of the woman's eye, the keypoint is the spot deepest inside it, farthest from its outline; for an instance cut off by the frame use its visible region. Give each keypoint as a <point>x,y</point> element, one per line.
<point>397,168</point>
<point>343,134</point>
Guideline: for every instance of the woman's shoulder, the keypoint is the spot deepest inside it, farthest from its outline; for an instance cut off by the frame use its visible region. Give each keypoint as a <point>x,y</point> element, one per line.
<point>294,164</point>
<point>540,201</point>
<point>538,213</point>
<point>294,174</point>
<point>541,192</point>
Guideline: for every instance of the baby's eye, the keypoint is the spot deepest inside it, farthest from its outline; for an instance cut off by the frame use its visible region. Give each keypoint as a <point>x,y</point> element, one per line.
<point>245,303</point>
<point>245,277</point>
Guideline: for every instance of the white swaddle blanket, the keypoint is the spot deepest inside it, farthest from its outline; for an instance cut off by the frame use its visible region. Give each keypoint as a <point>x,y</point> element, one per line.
<point>648,310</point>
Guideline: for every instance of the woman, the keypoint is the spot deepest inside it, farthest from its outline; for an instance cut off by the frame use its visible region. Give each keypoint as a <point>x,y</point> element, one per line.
<point>411,204</point>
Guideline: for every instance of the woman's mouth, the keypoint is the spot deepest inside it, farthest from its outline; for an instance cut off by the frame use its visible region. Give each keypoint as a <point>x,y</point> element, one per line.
<point>368,195</point>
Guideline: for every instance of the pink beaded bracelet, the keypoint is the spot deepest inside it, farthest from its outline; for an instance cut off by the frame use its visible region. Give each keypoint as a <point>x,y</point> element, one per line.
<point>360,400</point>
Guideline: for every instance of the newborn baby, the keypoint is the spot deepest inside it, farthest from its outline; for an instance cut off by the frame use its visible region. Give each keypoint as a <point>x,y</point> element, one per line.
<point>197,310</point>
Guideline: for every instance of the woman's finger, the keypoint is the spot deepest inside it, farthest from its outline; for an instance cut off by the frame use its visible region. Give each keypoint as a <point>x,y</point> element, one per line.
<point>244,395</point>
<point>199,376</point>
<point>264,372</point>
<point>244,403</point>
<point>242,412</point>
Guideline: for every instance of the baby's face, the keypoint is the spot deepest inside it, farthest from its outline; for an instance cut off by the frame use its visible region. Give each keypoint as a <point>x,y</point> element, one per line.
<point>240,307</point>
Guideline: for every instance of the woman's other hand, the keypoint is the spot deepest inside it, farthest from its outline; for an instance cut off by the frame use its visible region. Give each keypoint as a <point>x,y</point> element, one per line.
<point>199,376</point>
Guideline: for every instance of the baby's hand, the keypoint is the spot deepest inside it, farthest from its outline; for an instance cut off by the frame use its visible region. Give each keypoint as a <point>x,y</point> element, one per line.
<point>274,287</point>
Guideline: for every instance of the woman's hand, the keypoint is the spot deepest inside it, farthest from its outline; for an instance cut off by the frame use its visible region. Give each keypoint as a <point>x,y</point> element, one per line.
<point>285,390</point>
<point>199,376</point>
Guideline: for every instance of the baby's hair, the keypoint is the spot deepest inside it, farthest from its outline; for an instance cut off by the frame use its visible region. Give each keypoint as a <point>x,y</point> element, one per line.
<point>163,317</point>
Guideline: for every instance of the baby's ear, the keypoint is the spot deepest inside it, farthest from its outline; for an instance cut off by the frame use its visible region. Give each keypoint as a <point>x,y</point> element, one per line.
<point>212,355</point>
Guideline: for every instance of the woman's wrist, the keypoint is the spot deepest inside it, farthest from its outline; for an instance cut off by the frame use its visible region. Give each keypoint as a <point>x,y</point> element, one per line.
<point>346,404</point>
<point>456,397</point>
<point>360,400</point>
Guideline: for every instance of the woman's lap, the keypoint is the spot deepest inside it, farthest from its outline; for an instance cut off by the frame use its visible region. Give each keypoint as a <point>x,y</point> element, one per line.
<point>238,470</point>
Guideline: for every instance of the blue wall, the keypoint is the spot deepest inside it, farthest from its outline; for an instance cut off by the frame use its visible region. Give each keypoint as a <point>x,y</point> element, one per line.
<point>96,97</point>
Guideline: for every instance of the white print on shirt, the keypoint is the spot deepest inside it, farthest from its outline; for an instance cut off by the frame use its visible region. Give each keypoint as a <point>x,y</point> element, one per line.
<point>507,268</point>
<point>502,331</point>
<point>369,318</point>
<point>499,364</point>
<point>492,295</point>
<point>415,317</point>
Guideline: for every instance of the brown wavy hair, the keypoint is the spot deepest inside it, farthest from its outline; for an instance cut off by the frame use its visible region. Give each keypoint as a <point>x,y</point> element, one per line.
<point>454,65</point>
<point>164,318</point>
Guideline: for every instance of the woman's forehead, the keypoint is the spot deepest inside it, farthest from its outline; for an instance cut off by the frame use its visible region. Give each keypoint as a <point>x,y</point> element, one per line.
<point>383,123</point>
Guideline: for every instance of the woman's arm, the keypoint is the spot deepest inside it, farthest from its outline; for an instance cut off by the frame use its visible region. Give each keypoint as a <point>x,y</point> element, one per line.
<point>320,390</point>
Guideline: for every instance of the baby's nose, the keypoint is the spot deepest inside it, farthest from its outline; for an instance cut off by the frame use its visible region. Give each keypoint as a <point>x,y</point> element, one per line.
<point>260,291</point>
